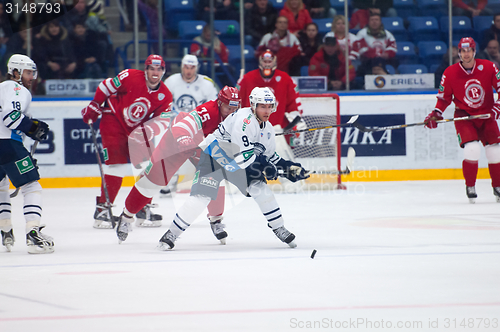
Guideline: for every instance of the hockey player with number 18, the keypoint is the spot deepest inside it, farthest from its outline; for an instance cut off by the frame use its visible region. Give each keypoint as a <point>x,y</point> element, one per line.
<point>468,84</point>
<point>16,163</point>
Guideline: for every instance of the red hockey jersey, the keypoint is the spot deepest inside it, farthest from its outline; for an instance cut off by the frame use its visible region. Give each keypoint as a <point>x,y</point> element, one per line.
<point>471,92</point>
<point>210,116</point>
<point>283,87</point>
<point>130,99</point>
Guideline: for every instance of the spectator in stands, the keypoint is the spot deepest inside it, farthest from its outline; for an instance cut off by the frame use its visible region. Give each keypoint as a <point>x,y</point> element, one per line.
<point>96,22</point>
<point>378,67</point>
<point>363,9</point>
<point>282,43</point>
<point>491,52</point>
<point>86,54</point>
<point>320,8</point>
<point>204,51</point>
<point>445,64</point>
<point>129,4</point>
<point>259,20</point>
<point>338,31</point>
<point>223,10</point>
<point>149,8</point>
<point>79,13</point>
<point>297,15</point>
<point>18,42</point>
<point>374,41</point>
<point>330,62</point>
<point>493,32</point>
<point>57,60</point>
<point>310,42</point>
<point>471,8</point>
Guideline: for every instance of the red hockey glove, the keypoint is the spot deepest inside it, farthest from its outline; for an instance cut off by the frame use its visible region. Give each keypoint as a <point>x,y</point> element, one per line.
<point>91,112</point>
<point>496,110</point>
<point>430,120</point>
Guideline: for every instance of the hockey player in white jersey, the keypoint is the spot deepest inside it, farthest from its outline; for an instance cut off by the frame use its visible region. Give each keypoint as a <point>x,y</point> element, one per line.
<point>16,163</point>
<point>242,151</point>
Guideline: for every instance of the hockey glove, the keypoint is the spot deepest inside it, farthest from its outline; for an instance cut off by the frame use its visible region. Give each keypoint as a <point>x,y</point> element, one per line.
<point>496,109</point>
<point>301,125</point>
<point>38,130</point>
<point>91,112</point>
<point>267,168</point>
<point>292,171</point>
<point>430,120</point>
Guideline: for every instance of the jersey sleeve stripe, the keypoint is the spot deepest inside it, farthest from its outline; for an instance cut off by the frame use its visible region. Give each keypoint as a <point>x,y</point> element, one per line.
<point>185,127</point>
<point>13,119</point>
<point>104,89</point>
<point>110,85</point>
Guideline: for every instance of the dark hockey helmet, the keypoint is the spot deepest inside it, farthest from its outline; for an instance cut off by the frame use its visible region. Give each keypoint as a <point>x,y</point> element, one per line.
<point>267,64</point>
<point>466,42</point>
<point>229,96</point>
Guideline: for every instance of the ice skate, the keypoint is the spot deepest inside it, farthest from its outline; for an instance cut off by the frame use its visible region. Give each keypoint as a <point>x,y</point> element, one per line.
<point>101,217</point>
<point>218,229</point>
<point>471,193</point>
<point>285,236</point>
<point>145,218</point>
<point>8,239</point>
<point>124,227</point>
<point>167,241</point>
<point>496,192</point>
<point>39,243</point>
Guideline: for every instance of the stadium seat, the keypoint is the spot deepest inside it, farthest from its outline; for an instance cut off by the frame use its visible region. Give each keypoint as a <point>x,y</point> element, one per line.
<point>494,5</point>
<point>278,4</point>
<point>481,24</point>
<point>229,31</point>
<point>304,71</point>
<point>434,8</point>
<point>390,69</point>
<point>431,52</point>
<point>433,68</point>
<point>338,5</point>
<point>178,10</point>
<point>423,28</point>
<point>405,8</point>
<point>461,27</point>
<point>406,53</point>
<point>396,27</point>
<point>412,69</point>
<point>324,25</point>
<point>235,58</point>
<point>190,29</point>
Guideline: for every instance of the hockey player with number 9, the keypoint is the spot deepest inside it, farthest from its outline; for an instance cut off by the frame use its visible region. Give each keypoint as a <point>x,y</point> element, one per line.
<point>468,84</point>
<point>242,151</point>
<point>16,163</point>
<point>132,98</point>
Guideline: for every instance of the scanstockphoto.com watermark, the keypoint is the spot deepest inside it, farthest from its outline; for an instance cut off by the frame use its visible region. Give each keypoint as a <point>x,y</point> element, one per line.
<point>382,324</point>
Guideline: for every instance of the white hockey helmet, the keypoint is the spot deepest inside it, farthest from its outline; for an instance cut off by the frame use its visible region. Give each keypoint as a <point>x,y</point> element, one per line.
<point>21,62</point>
<point>190,60</point>
<point>262,96</point>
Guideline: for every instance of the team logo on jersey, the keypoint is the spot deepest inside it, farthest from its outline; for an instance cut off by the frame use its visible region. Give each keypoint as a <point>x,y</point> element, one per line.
<point>480,67</point>
<point>498,75</point>
<point>137,111</point>
<point>17,89</point>
<point>185,103</point>
<point>474,94</point>
<point>278,78</point>
<point>161,96</point>
<point>116,82</point>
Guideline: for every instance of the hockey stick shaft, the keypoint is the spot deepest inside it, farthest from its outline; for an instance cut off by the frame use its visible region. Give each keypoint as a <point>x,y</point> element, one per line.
<point>351,154</point>
<point>32,152</point>
<point>369,130</point>
<point>99,162</point>
<point>352,122</point>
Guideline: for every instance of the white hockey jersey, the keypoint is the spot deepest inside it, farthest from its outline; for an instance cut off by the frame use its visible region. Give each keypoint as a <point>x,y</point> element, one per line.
<point>15,101</point>
<point>187,96</point>
<point>242,139</point>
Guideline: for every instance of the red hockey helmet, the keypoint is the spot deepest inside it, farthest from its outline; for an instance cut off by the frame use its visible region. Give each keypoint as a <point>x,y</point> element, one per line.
<point>466,42</point>
<point>229,96</point>
<point>154,59</point>
<point>267,64</point>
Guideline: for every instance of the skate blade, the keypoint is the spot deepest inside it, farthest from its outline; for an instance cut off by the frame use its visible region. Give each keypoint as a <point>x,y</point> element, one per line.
<point>99,224</point>
<point>147,224</point>
<point>223,241</point>
<point>498,199</point>
<point>292,244</point>
<point>40,250</point>
<point>472,200</point>
<point>164,247</point>
<point>8,247</point>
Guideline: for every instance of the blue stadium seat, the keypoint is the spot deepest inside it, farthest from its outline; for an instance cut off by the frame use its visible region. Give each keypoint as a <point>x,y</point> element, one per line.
<point>278,4</point>
<point>235,58</point>
<point>435,8</point>
<point>406,53</point>
<point>431,52</point>
<point>405,8</point>
<point>433,68</point>
<point>324,25</point>
<point>229,31</point>
<point>390,69</point>
<point>423,28</point>
<point>461,27</point>
<point>190,29</point>
<point>178,10</point>
<point>338,5</point>
<point>494,5</point>
<point>396,27</point>
<point>304,71</point>
<point>481,24</point>
<point>412,69</point>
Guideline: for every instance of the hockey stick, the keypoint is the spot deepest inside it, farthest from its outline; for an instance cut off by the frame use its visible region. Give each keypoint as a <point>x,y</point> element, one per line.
<point>352,121</point>
<point>369,130</point>
<point>32,152</point>
<point>108,203</point>
<point>351,154</point>
<point>292,124</point>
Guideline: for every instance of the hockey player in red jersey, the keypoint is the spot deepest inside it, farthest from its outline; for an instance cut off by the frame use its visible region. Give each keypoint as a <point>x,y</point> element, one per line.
<point>468,84</point>
<point>125,102</point>
<point>179,144</point>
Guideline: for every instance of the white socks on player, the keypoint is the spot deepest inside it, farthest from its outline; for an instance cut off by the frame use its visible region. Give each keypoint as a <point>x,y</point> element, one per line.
<point>5,207</point>
<point>264,197</point>
<point>188,213</point>
<point>32,204</point>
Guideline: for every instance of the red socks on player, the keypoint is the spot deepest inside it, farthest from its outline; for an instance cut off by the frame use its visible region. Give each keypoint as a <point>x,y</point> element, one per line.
<point>469,168</point>
<point>494,174</point>
<point>113,183</point>
<point>216,208</point>
<point>136,201</point>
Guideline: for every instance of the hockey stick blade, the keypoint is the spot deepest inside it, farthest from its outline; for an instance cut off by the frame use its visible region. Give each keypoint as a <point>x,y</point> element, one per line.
<point>364,129</point>
<point>292,124</point>
<point>32,151</point>
<point>351,122</point>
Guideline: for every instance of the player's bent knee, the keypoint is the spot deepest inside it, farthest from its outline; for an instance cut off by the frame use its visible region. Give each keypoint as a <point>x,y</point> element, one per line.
<point>118,170</point>
<point>146,187</point>
<point>472,150</point>
<point>493,153</point>
<point>32,187</point>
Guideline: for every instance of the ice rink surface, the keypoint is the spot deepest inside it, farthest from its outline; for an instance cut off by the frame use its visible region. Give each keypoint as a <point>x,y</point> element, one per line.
<point>391,256</point>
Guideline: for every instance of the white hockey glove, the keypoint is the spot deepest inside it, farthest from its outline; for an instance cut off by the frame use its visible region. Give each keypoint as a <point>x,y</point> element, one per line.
<point>301,125</point>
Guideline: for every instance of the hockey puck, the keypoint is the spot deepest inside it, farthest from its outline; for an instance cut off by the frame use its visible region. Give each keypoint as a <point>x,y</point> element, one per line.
<point>313,254</point>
